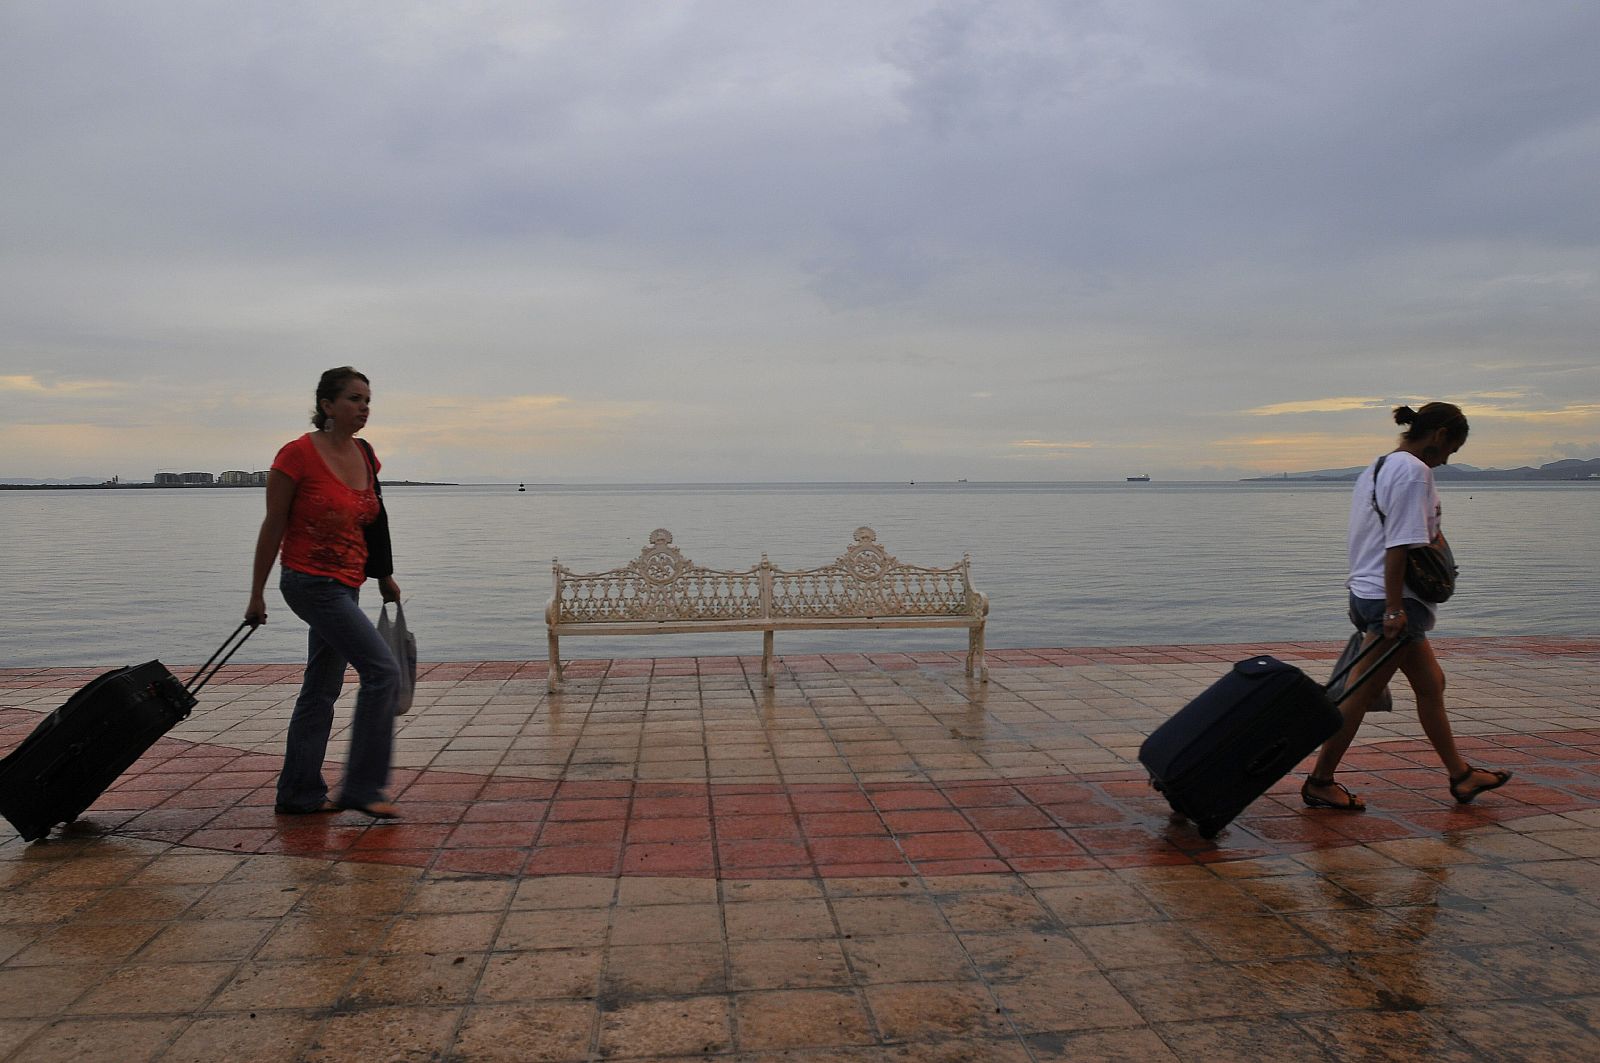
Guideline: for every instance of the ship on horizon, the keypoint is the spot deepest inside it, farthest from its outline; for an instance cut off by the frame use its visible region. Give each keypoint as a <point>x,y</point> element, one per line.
<point>1142,478</point>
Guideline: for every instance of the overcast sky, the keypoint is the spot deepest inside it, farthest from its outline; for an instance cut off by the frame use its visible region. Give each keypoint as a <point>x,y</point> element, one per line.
<point>713,241</point>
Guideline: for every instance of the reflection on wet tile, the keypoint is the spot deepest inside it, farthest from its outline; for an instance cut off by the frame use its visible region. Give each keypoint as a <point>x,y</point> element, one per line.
<point>1260,1040</point>
<point>1522,1031</point>
<point>98,1040</point>
<point>1400,1036</point>
<point>1173,993</point>
<point>1087,1001</point>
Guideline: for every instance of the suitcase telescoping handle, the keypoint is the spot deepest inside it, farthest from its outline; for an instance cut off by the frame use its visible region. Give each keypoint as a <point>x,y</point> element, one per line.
<point>1396,645</point>
<point>202,677</point>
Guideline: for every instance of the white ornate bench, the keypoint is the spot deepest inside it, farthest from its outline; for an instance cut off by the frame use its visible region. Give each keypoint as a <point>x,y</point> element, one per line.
<point>662,592</point>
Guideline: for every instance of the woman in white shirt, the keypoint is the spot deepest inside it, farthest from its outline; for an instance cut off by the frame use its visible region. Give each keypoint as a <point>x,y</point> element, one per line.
<point>1394,507</point>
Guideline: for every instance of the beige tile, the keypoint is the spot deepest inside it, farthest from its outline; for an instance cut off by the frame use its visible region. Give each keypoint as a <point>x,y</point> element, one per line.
<point>1086,1001</point>
<point>562,928</point>
<point>287,984</point>
<point>1020,955</point>
<point>664,970</point>
<point>1092,905</point>
<point>417,978</point>
<point>646,891</point>
<point>1187,992</point>
<point>210,939</point>
<point>663,924</point>
<point>555,1032</point>
<point>546,974</point>
<point>778,919</point>
<point>930,1010</point>
<point>461,895</point>
<point>909,958</point>
<point>1140,944</point>
<point>972,912</point>
<point>328,936</point>
<point>167,988</point>
<point>868,916</point>
<point>277,1037</point>
<point>682,1027</point>
<point>103,944</point>
<point>798,964</point>
<point>456,934</point>
<point>802,1018</point>
<point>411,1035</point>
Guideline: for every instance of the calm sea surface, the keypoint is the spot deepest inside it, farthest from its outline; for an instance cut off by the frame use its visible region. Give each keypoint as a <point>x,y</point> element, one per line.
<point>113,577</point>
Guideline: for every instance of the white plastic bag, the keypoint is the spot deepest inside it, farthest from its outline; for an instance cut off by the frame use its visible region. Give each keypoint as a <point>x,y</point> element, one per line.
<point>1382,702</point>
<point>403,645</point>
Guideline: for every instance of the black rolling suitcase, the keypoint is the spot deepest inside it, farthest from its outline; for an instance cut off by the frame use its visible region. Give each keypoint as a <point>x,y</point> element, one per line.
<point>81,748</point>
<point>1248,730</point>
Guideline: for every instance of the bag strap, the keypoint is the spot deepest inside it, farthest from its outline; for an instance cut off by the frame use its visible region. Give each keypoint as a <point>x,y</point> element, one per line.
<point>1375,470</point>
<point>201,677</point>
<point>372,466</point>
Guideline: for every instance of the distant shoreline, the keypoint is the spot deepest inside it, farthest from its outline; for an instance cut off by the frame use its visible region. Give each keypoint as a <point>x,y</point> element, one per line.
<point>186,487</point>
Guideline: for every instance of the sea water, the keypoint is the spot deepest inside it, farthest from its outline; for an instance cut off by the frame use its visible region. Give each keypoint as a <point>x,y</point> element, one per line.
<point>106,577</point>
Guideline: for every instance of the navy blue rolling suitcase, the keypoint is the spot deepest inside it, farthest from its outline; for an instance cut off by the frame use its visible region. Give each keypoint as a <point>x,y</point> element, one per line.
<point>1245,732</point>
<point>82,747</point>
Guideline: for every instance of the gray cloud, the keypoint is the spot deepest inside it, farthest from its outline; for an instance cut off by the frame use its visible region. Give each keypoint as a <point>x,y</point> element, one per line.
<point>1118,218</point>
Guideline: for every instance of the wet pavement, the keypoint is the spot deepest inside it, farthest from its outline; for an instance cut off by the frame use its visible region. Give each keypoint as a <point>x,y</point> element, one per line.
<point>879,859</point>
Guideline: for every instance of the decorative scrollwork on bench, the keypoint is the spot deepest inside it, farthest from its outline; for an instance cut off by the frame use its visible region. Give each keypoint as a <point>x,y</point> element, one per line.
<point>865,587</point>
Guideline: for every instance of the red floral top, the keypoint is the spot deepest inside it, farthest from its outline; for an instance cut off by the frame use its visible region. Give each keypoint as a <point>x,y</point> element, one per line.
<point>324,536</point>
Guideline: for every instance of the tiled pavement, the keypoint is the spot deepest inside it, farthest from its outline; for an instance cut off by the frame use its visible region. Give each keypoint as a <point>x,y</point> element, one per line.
<point>877,860</point>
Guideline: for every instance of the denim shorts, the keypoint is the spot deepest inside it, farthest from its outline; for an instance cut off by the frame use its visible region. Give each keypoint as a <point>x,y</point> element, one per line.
<point>1367,615</point>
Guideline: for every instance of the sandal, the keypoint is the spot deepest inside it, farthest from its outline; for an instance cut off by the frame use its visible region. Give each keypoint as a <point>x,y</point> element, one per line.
<point>1464,797</point>
<point>377,810</point>
<point>1352,803</point>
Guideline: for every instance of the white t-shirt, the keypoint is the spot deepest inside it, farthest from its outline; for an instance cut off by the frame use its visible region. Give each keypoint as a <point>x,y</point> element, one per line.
<point>1410,505</point>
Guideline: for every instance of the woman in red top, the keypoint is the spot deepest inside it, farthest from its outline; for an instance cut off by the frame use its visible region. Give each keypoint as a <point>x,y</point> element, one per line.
<point>320,495</point>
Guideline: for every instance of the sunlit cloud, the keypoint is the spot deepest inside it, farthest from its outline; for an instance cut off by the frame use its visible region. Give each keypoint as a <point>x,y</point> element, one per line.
<point>1046,444</point>
<point>1333,405</point>
<point>516,423</point>
<point>28,384</point>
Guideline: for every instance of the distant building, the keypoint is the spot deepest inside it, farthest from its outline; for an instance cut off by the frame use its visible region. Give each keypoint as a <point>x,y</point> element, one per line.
<point>236,478</point>
<point>201,478</point>
<point>168,479</point>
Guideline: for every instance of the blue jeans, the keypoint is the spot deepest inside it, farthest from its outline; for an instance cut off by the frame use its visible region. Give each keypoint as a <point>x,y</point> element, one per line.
<point>340,634</point>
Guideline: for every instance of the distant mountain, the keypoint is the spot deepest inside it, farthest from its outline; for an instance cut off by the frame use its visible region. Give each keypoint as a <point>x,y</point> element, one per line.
<point>1565,469</point>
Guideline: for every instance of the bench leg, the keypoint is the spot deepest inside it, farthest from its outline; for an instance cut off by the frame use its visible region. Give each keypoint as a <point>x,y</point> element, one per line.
<point>975,665</point>
<point>553,683</point>
<point>766,659</point>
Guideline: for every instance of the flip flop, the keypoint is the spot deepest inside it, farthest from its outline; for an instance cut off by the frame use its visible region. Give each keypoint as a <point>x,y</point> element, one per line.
<point>1465,797</point>
<point>1352,803</point>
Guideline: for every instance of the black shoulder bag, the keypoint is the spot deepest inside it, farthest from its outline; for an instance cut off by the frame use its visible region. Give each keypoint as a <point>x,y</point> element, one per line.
<point>380,553</point>
<point>1431,569</point>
